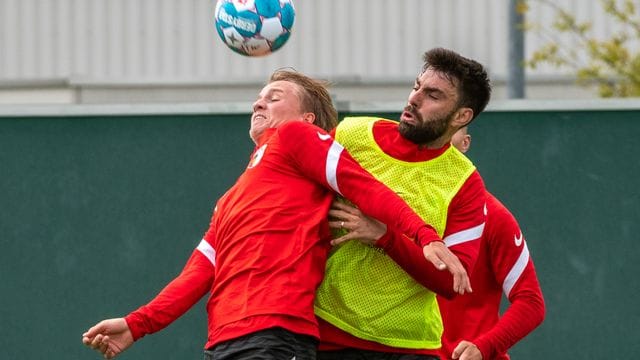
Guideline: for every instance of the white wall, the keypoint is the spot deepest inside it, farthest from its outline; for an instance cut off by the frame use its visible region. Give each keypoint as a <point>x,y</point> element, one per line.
<point>101,51</point>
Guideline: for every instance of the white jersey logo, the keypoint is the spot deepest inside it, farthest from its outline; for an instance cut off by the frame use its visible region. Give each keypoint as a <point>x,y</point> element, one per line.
<point>324,137</point>
<point>518,240</point>
<point>257,156</point>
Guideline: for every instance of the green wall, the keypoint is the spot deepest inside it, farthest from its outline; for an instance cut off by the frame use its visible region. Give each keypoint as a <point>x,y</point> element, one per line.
<point>571,179</point>
<point>100,211</point>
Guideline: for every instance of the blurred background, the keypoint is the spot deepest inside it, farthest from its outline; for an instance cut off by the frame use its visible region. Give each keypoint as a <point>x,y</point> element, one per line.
<point>150,51</point>
<point>123,121</point>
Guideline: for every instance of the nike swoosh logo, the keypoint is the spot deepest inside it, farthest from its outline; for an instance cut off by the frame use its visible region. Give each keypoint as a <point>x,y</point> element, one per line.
<point>517,240</point>
<point>324,137</point>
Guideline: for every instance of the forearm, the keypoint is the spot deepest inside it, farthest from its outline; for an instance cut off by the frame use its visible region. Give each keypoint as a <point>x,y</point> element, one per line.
<point>381,203</point>
<point>523,315</point>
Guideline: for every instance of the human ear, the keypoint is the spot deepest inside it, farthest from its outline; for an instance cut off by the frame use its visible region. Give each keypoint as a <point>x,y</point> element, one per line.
<point>463,117</point>
<point>309,117</point>
<point>466,143</point>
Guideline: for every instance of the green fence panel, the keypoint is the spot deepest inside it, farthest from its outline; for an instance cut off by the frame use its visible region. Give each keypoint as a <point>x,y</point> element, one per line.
<point>99,212</point>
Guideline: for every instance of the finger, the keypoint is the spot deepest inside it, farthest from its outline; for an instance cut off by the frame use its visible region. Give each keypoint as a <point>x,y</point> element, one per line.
<point>89,342</point>
<point>104,346</point>
<point>338,224</point>
<point>97,340</point>
<point>430,255</point>
<point>466,284</point>
<point>463,284</point>
<point>343,238</point>
<point>96,329</point>
<point>344,207</point>
<point>439,263</point>
<point>111,352</point>
<point>457,283</point>
<point>459,350</point>
<point>338,214</point>
<point>461,278</point>
<point>467,352</point>
<point>86,340</point>
<point>457,273</point>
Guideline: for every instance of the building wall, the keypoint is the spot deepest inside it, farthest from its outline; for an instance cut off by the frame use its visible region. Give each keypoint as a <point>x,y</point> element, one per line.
<point>95,51</point>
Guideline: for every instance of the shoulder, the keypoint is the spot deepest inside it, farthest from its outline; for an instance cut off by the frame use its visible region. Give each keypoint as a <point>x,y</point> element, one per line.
<point>295,126</point>
<point>300,134</point>
<point>296,131</point>
<point>474,184</point>
<point>496,207</point>
<point>472,194</point>
<point>499,218</point>
<point>365,120</point>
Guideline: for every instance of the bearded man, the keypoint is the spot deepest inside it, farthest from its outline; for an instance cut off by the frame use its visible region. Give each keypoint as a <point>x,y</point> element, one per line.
<point>378,299</point>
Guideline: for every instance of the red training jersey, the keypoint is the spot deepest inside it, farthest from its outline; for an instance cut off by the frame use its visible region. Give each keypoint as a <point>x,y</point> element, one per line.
<point>264,253</point>
<point>465,222</point>
<point>504,266</point>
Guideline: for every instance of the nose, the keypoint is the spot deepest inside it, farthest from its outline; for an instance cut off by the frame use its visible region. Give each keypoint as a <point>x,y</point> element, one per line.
<point>413,98</point>
<point>258,105</point>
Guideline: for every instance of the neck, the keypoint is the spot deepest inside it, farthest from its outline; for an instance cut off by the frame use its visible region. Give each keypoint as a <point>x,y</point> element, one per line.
<point>441,141</point>
<point>436,144</point>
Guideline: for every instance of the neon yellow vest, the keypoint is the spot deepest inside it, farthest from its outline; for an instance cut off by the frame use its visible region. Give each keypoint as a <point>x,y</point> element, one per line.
<point>364,292</point>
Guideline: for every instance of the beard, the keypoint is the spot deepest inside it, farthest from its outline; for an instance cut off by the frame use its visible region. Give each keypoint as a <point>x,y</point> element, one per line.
<point>427,130</point>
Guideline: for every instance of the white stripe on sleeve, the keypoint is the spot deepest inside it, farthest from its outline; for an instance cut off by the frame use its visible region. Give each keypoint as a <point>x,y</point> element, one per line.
<point>516,270</point>
<point>463,236</point>
<point>208,251</point>
<point>332,165</point>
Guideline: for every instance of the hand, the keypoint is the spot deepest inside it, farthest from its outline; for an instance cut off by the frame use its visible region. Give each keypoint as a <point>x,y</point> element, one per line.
<point>109,337</point>
<point>466,351</point>
<point>365,229</point>
<point>442,258</point>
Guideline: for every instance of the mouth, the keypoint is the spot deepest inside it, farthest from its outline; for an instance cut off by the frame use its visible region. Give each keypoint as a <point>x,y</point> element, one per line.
<point>408,117</point>
<point>257,117</point>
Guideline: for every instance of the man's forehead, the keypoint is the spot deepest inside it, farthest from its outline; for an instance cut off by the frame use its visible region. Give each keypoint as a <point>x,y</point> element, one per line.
<point>432,74</point>
<point>279,86</point>
<point>436,79</point>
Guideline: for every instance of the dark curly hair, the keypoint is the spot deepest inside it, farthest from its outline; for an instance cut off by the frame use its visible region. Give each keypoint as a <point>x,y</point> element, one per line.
<point>468,76</point>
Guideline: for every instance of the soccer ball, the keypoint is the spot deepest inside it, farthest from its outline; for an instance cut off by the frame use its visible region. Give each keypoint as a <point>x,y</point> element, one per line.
<point>254,27</point>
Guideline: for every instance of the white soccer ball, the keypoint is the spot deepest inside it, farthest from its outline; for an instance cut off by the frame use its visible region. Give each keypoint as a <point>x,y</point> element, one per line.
<point>254,27</point>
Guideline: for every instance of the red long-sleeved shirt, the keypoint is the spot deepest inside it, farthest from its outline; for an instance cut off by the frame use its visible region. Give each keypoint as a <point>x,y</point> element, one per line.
<point>465,220</point>
<point>264,253</point>
<point>503,266</point>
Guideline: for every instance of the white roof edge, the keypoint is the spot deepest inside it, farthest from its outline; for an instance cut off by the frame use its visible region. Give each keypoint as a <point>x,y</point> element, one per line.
<point>59,110</point>
<point>123,109</point>
<point>566,105</point>
<point>512,105</point>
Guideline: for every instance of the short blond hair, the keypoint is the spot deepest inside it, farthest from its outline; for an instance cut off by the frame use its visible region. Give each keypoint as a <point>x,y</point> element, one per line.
<point>315,97</point>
